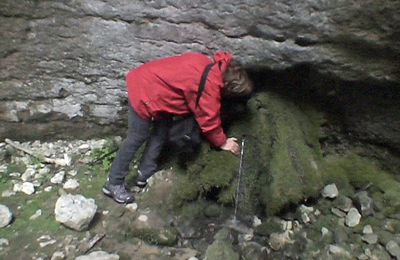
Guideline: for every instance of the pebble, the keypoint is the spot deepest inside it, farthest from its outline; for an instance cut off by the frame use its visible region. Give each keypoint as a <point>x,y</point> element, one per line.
<point>367,229</point>
<point>3,242</point>
<point>370,238</point>
<point>58,255</point>
<point>353,218</point>
<point>256,221</point>
<point>28,188</point>
<point>132,207</point>
<point>44,244</point>
<point>37,214</point>
<point>330,191</point>
<point>393,248</point>
<point>71,184</point>
<point>7,193</point>
<point>58,178</point>
<point>143,218</point>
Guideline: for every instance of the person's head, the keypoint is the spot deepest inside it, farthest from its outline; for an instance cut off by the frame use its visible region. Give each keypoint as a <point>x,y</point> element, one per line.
<point>236,82</point>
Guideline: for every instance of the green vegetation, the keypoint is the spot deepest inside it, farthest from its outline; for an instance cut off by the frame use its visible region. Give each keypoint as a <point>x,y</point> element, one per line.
<point>105,155</point>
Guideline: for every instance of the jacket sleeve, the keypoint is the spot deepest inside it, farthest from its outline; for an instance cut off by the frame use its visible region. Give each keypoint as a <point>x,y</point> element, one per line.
<point>207,112</point>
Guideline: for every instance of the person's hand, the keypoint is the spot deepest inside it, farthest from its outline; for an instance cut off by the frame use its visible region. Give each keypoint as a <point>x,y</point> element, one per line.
<point>231,145</point>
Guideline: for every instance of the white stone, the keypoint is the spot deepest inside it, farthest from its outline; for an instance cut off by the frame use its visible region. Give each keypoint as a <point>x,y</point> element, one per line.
<point>44,171</point>
<point>43,244</point>
<point>48,189</point>
<point>98,255</point>
<point>75,211</point>
<point>7,193</point>
<point>3,242</point>
<point>338,251</point>
<point>256,221</point>
<point>17,187</point>
<point>43,238</point>
<point>58,255</point>
<point>248,237</point>
<point>71,184</point>
<point>28,188</point>
<point>72,172</point>
<point>132,207</point>
<point>28,174</point>
<point>193,258</point>
<point>84,147</point>
<point>324,231</point>
<point>143,218</point>
<point>330,191</point>
<point>5,216</point>
<point>15,174</point>
<point>58,178</point>
<point>353,218</point>
<point>37,214</point>
<point>367,229</point>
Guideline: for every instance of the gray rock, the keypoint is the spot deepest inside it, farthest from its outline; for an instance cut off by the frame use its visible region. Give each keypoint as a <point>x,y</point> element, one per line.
<point>340,235</point>
<point>343,203</point>
<point>58,255</point>
<point>364,203</point>
<point>370,238</point>
<point>28,188</point>
<point>353,217</point>
<point>367,229</point>
<point>277,241</point>
<point>75,211</point>
<point>338,212</point>
<point>98,255</point>
<point>330,191</point>
<point>5,216</point>
<point>253,251</point>
<point>222,247</point>
<point>71,184</point>
<point>339,251</point>
<point>58,177</point>
<point>4,242</point>
<point>393,248</point>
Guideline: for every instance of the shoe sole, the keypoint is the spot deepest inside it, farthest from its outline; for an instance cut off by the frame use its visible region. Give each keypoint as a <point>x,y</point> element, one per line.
<point>109,194</point>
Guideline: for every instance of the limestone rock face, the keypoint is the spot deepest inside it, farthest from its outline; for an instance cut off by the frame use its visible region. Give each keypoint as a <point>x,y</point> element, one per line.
<point>62,64</point>
<point>75,211</point>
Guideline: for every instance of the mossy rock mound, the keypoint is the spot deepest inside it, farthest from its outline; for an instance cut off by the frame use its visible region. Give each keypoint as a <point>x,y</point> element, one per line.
<point>280,161</point>
<point>283,163</point>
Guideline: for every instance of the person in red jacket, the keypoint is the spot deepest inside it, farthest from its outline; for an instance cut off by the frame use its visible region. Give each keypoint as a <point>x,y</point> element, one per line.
<point>170,86</point>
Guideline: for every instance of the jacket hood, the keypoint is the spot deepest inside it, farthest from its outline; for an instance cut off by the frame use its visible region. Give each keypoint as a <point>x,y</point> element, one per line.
<point>223,59</point>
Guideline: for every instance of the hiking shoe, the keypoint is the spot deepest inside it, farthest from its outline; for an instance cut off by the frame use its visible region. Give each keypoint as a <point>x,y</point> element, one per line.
<point>118,193</point>
<point>141,184</point>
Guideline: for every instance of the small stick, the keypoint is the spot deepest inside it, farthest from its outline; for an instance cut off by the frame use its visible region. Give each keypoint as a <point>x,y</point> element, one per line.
<point>41,158</point>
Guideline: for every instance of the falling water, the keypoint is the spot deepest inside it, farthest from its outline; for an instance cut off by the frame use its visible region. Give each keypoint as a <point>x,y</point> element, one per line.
<point>239,180</point>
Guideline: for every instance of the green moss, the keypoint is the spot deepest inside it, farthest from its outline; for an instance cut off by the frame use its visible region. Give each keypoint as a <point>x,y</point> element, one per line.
<point>165,237</point>
<point>185,190</point>
<point>271,225</point>
<point>355,171</point>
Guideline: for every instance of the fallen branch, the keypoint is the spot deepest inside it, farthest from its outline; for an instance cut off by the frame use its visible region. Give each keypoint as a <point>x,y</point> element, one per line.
<point>61,162</point>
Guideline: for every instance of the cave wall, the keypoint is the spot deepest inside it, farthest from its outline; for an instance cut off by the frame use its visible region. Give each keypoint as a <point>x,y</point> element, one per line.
<point>63,63</point>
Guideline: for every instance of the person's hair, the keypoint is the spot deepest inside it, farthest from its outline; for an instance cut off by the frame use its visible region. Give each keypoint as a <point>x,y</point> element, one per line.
<point>237,81</point>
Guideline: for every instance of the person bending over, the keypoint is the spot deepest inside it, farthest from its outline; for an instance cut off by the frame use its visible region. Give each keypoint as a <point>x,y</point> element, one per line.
<point>169,87</point>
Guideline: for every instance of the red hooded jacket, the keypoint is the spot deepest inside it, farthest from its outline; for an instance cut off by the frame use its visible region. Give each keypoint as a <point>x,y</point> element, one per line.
<point>170,85</point>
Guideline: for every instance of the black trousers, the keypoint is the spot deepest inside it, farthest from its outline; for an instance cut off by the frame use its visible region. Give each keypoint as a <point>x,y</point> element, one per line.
<point>154,133</point>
